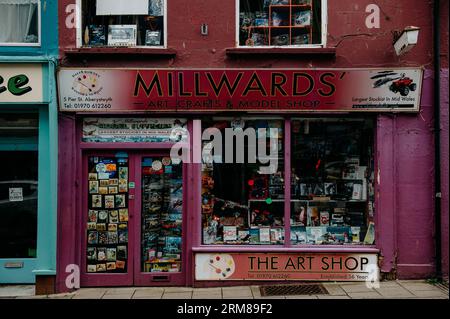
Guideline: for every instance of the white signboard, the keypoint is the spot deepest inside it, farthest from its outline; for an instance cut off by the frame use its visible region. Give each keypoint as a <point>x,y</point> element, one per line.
<point>122,7</point>
<point>21,83</point>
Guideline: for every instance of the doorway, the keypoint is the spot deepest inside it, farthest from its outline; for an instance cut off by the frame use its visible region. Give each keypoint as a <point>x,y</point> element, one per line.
<point>134,219</point>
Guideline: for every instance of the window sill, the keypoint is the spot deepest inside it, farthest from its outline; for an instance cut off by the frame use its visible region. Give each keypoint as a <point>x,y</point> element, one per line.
<point>323,52</point>
<point>114,50</point>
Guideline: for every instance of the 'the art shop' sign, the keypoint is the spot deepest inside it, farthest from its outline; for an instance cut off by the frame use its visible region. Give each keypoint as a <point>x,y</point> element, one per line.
<point>265,90</point>
<point>21,83</point>
<point>286,266</point>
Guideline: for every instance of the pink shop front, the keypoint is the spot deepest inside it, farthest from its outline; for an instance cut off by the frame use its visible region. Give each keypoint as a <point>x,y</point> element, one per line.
<point>341,176</point>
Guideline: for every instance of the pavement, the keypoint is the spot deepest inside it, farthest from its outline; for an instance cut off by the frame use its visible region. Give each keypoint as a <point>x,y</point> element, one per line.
<point>399,289</point>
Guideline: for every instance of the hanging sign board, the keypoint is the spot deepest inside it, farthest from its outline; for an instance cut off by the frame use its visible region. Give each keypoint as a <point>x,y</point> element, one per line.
<point>218,90</point>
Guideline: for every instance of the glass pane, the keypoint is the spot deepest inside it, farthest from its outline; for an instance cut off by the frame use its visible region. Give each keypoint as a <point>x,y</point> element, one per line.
<point>241,202</point>
<point>128,29</point>
<point>107,227</point>
<point>280,22</point>
<point>19,22</point>
<point>18,204</point>
<point>162,214</point>
<point>332,182</point>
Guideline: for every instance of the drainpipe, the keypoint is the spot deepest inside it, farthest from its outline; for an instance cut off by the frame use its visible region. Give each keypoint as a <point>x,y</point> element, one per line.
<point>437,138</point>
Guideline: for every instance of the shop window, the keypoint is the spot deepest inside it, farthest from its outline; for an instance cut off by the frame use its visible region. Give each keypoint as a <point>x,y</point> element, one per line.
<point>19,22</point>
<point>241,202</point>
<point>285,23</point>
<point>123,23</point>
<point>332,193</point>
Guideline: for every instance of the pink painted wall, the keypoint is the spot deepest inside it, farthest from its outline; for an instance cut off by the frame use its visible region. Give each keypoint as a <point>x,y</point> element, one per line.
<point>404,142</point>
<point>444,134</point>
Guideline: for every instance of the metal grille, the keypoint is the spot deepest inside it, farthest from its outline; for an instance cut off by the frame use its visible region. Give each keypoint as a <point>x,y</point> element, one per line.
<point>299,289</point>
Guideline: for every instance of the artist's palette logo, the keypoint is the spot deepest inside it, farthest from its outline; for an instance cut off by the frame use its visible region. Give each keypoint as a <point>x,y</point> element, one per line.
<point>86,83</point>
<point>219,266</point>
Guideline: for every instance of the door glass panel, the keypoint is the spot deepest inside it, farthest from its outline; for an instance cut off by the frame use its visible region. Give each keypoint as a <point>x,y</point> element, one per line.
<point>107,226</point>
<point>162,207</point>
<point>18,204</point>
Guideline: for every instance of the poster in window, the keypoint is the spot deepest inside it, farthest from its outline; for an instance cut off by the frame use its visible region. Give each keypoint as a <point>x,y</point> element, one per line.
<point>122,35</point>
<point>152,37</point>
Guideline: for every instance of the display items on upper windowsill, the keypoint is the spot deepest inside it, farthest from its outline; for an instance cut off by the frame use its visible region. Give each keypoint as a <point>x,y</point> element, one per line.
<point>122,35</point>
<point>282,22</point>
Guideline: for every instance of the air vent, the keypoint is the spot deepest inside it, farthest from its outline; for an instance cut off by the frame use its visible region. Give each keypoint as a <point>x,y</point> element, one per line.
<point>299,289</point>
<point>160,278</point>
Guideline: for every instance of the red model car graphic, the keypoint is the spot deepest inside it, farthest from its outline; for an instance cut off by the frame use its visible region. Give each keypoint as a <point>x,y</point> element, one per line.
<point>400,82</point>
<point>403,85</point>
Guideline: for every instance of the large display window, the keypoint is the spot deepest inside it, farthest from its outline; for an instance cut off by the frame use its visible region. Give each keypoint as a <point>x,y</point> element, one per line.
<point>332,194</point>
<point>240,204</point>
<point>331,198</point>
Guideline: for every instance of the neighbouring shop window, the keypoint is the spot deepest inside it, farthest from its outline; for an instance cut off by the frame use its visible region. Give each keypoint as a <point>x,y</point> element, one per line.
<point>107,215</point>
<point>241,202</point>
<point>280,22</point>
<point>162,214</point>
<point>332,192</point>
<point>123,23</point>
<point>19,22</point>
<point>18,203</point>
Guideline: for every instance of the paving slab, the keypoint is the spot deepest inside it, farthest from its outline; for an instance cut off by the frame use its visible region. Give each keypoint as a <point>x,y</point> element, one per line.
<point>237,292</point>
<point>16,290</point>
<point>356,288</point>
<point>415,286</point>
<point>178,289</point>
<point>332,297</point>
<point>301,297</point>
<point>430,294</point>
<point>148,293</point>
<point>365,295</point>
<point>117,296</point>
<point>208,290</point>
<point>335,290</point>
<point>120,291</point>
<point>394,292</point>
<point>177,295</point>
<point>207,295</point>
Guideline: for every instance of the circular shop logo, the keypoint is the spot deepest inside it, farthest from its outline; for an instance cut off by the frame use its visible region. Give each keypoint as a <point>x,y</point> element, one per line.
<point>86,83</point>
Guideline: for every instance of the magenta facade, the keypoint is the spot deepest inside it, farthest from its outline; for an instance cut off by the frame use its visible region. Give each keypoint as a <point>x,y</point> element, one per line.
<point>403,142</point>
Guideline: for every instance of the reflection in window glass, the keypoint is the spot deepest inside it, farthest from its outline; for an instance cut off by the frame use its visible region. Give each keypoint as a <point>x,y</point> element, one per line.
<point>241,204</point>
<point>280,22</point>
<point>332,182</point>
<point>19,21</point>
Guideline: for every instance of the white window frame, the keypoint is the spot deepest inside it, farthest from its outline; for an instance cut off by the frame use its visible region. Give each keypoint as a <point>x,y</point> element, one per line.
<point>323,44</point>
<point>79,32</point>
<point>23,44</point>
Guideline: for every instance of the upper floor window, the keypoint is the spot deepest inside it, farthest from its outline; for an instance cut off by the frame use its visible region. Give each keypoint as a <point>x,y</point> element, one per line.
<point>19,22</point>
<point>287,23</point>
<point>124,23</point>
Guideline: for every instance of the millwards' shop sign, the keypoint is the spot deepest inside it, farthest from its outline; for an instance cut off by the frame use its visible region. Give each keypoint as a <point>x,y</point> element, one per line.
<point>267,90</point>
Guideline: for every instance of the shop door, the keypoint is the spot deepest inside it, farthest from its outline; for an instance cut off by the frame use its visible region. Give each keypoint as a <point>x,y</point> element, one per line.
<point>159,223</point>
<point>133,212</point>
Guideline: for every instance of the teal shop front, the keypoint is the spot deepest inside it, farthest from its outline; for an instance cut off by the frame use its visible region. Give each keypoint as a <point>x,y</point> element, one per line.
<point>28,168</point>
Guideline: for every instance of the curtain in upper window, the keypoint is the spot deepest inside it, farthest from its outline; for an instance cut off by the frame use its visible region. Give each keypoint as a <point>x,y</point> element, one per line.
<point>19,21</point>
